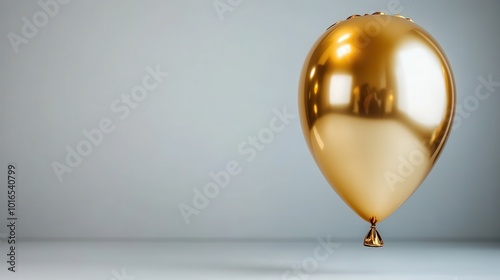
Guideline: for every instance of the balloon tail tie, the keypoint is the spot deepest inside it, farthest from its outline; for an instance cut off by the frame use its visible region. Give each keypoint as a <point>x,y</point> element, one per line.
<point>373,239</point>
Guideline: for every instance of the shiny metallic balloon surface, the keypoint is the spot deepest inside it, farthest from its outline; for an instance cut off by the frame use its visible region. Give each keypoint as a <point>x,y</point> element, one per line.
<point>376,101</point>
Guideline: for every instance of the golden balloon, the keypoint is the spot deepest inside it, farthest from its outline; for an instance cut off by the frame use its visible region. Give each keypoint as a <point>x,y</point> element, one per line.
<point>376,102</point>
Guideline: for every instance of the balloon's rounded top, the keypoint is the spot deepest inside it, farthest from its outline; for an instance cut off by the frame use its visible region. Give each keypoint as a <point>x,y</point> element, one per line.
<point>374,14</point>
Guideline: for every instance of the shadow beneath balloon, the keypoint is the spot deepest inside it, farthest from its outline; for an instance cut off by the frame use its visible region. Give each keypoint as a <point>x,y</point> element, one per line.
<point>280,268</point>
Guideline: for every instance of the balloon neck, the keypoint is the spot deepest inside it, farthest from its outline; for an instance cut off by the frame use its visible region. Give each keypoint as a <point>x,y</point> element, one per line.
<point>373,239</point>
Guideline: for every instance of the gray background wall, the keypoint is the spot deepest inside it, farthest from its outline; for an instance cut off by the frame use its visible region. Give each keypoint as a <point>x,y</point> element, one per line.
<point>226,75</point>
